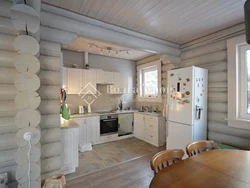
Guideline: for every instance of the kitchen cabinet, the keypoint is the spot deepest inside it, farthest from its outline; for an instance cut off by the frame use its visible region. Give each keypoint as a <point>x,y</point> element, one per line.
<point>88,81</point>
<point>150,128</point>
<point>79,80</point>
<point>74,80</point>
<point>89,131</point>
<point>104,77</point>
<point>117,88</point>
<point>69,149</point>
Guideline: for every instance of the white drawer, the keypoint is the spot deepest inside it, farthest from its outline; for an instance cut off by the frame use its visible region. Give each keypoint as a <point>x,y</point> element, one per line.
<point>151,118</point>
<point>109,138</point>
<point>151,126</point>
<point>151,136</point>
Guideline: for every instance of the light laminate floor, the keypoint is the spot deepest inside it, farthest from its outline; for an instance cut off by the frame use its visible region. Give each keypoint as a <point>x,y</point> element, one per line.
<point>110,154</point>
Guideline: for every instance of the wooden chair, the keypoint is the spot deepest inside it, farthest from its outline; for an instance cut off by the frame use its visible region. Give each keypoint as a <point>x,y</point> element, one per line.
<point>165,158</point>
<point>197,147</point>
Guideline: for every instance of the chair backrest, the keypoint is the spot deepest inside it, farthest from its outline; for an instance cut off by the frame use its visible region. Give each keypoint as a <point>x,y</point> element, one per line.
<point>165,158</point>
<point>197,147</point>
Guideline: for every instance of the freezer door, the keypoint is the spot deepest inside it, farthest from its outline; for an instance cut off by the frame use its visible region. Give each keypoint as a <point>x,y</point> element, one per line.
<point>178,135</point>
<point>180,96</point>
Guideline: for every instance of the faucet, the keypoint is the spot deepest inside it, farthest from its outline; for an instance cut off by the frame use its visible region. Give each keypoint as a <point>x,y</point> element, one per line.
<point>148,109</point>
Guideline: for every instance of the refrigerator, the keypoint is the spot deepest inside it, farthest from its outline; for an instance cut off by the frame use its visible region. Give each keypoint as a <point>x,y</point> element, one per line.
<point>186,109</point>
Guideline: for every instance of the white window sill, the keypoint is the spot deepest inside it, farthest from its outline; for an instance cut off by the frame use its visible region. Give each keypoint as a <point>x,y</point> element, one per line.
<point>239,123</point>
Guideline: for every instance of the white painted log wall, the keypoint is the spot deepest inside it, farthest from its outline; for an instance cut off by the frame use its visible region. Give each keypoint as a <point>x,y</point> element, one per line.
<point>50,108</point>
<point>214,58</point>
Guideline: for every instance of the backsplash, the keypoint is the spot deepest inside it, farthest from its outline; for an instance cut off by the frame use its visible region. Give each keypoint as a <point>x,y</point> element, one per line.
<point>103,102</point>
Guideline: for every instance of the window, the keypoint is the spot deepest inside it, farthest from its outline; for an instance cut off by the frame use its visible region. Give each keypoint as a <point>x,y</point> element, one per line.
<point>149,80</point>
<point>238,83</point>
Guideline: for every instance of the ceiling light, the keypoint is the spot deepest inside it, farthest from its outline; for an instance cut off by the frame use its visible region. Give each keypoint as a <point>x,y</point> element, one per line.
<point>90,47</point>
<point>101,52</point>
<point>109,52</point>
<point>128,52</point>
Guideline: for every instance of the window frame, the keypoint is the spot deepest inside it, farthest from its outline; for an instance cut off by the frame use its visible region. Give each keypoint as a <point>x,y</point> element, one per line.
<point>140,91</point>
<point>235,118</point>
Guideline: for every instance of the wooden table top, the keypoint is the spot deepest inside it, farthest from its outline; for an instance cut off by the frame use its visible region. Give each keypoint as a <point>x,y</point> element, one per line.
<point>214,168</point>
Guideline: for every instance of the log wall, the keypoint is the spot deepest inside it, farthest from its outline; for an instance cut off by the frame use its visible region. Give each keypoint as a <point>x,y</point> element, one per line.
<point>50,108</point>
<point>214,58</point>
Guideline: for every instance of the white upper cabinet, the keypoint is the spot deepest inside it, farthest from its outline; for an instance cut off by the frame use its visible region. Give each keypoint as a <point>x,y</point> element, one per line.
<point>104,77</point>
<point>74,80</point>
<point>118,84</point>
<point>89,81</point>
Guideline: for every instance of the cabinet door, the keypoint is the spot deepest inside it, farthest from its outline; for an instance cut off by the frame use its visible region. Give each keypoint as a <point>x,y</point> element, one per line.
<point>93,130</point>
<point>118,83</point>
<point>139,125</point>
<point>108,77</point>
<point>89,81</point>
<point>82,122</point>
<point>74,80</point>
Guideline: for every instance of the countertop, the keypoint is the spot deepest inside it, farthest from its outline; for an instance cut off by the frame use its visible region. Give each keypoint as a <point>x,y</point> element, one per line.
<point>68,124</point>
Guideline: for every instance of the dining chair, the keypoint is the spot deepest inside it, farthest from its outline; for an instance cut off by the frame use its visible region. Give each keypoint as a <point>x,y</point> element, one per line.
<point>197,147</point>
<point>165,158</point>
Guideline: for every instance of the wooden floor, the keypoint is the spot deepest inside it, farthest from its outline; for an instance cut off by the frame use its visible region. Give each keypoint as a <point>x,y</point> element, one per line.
<point>133,174</point>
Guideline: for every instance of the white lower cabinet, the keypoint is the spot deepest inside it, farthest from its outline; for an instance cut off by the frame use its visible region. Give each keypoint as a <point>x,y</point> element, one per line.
<point>89,131</point>
<point>149,128</point>
<point>69,144</point>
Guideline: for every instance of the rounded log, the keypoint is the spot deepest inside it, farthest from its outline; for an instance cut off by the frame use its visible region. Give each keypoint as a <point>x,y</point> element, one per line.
<point>27,99</point>
<point>7,58</point>
<point>49,92</point>
<point>217,90</point>
<point>166,59</point>
<point>7,158</point>
<point>217,107</point>
<point>148,59</point>
<point>217,84</point>
<point>8,129</point>
<point>168,67</point>
<point>27,82</point>
<point>217,117</point>
<point>6,42</point>
<point>217,97</point>
<point>210,48</point>
<point>217,77</point>
<point>7,75</point>
<point>49,107</point>
<point>50,49</point>
<point>7,27</point>
<point>25,18</point>
<point>7,121</point>
<point>50,121</point>
<point>28,118</point>
<point>25,44</point>
<point>50,135</point>
<point>7,92</point>
<point>51,164</point>
<point>7,106</point>
<point>164,82</point>
<point>216,67</point>
<point>51,150</point>
<point>238,142</point>
<point>21,155</point>
<point>204,59</point>
<point>22,175</point>
<point>33,184</point>
<point>50,63</point>
<point>27,63</point>
<point>35,139</point>
<point>50,78</point>
<point>224,129</point>
<point>164,75</point>
<point>7,142</point>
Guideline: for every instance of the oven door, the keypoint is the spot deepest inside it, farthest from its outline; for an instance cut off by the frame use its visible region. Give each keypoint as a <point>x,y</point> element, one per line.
<point>108,126</point>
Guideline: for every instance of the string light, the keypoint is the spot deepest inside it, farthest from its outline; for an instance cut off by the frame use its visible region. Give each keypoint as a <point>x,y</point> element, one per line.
<point>101,52</point>
<point>109,53</point>
<point>110,49</point>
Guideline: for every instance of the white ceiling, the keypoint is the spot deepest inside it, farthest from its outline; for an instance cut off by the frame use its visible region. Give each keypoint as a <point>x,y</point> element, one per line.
<point>82,44</point>
<point>179,21</point>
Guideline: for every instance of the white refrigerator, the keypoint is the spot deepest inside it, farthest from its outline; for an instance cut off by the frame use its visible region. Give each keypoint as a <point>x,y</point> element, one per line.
<point>186,107</point>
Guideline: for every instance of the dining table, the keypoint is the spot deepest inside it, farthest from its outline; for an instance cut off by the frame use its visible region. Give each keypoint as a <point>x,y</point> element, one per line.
<point>213,168</point>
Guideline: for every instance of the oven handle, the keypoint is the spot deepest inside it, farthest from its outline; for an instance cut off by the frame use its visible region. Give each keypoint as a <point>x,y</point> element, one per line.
<point>105,120</point>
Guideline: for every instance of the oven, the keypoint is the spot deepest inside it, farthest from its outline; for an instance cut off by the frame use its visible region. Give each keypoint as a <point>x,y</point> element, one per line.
<point>108,124</point>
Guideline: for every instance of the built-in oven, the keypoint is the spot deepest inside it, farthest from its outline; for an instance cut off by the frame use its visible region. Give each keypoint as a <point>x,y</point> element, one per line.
<point>108,124</point>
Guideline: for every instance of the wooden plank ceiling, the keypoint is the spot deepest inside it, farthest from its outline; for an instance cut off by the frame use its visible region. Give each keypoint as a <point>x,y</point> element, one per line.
<point>179,21</point>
